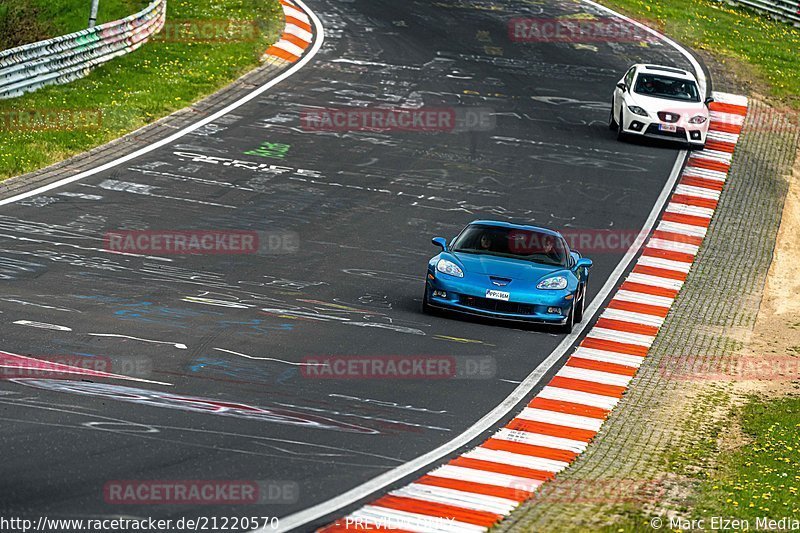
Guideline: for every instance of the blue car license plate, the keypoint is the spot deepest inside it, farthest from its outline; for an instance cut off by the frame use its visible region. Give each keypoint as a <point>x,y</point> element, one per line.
<point>497,295</point>
<point>668,127</point>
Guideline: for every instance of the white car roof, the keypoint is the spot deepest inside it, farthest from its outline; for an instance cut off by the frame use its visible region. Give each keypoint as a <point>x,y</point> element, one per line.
<point>673,72</point>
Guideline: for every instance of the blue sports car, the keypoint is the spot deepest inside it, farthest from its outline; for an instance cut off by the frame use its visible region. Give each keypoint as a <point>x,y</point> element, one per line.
<point>508,271</point>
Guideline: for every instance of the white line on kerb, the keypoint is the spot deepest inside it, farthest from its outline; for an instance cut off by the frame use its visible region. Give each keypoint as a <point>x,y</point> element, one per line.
<point>364,490</point>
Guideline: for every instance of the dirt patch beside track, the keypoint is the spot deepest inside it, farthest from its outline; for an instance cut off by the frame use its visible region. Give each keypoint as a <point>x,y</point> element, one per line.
<point>777,329</point>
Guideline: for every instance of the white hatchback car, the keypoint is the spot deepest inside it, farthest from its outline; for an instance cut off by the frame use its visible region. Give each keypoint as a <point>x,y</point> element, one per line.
<point>661,102</point>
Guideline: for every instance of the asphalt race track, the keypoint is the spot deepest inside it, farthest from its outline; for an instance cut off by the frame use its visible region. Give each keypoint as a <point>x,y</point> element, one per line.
<point>356,211</point>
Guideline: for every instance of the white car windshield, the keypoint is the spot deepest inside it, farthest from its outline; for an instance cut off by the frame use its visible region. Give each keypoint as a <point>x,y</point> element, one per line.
<point>660,86</point>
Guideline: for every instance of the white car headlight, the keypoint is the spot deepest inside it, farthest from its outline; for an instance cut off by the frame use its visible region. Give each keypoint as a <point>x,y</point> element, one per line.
<point>636,110</point>
<point>448,267</point>
<point>554,283</point>
<point>699,119</point>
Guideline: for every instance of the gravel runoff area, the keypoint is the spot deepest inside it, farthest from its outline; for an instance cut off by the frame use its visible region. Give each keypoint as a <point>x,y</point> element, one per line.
<point>661,439</point>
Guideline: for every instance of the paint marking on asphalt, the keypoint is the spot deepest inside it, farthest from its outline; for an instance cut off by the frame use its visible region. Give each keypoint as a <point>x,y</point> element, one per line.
<point>42,325</point>
<point>268,358</point>
<point>175,344</point>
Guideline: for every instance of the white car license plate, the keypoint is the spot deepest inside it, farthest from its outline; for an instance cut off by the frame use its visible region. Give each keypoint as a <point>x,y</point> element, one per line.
<point>668,127</point>
<point>497,295</point>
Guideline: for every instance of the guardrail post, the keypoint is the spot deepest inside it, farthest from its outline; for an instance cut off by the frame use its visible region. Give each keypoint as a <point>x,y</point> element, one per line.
<point>93,13</point>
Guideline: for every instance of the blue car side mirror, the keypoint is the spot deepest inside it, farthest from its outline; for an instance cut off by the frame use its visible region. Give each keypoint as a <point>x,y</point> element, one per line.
<point>440,241</point>
<point>583,262</point>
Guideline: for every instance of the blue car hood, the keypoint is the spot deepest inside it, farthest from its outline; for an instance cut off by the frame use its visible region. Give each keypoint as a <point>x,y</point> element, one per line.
<point>503,267</point>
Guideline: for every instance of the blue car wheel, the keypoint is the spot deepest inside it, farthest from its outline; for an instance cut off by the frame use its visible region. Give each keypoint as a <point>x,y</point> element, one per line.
<point>582,305</point>
<point>567,326</point>
<point>426,307</point>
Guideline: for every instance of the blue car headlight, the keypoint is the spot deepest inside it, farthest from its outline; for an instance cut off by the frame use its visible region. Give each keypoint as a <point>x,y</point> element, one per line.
<point>448,267</point>
<point>554,283</point>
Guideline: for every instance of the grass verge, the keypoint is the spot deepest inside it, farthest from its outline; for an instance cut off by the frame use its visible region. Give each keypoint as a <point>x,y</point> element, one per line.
<point>767,50</point>
<point>762,478</point>
<point>754,487</point>
<point>206,45</point>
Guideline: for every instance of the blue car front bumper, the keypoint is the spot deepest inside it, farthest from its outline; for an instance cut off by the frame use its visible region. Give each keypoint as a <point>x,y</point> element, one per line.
<point>525,303</point>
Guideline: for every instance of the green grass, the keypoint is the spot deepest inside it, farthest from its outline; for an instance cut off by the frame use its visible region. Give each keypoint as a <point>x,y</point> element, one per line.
<point>770,48</point>
<point>26,21</point>
<point>131,91</point>
<point>763,477</point>
<point>760,479</point>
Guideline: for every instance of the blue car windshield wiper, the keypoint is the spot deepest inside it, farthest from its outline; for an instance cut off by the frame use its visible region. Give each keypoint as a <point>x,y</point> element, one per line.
<point>468,251</point>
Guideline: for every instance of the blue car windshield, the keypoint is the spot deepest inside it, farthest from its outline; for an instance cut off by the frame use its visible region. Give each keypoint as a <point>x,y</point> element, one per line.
<point>523,244</point>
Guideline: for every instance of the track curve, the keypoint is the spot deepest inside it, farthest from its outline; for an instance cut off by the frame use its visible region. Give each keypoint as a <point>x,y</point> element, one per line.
<point>229,330</point>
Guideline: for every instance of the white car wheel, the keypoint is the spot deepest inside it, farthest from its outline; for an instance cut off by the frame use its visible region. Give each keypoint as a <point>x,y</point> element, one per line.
<point>620,132</point>
<point>612,122</point>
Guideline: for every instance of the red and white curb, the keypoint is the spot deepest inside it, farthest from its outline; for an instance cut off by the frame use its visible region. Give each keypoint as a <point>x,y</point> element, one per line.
<point>297,35</point>
<point>476,490</point>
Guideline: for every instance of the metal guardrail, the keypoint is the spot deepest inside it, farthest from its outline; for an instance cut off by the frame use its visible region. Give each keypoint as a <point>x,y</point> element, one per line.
<point>786,10</point>
<point>69,57</point>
